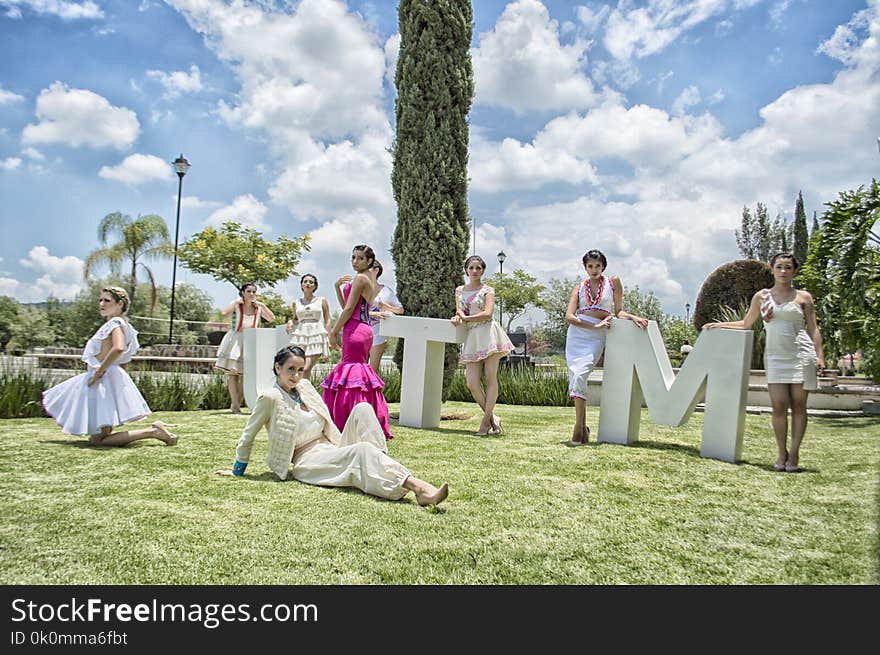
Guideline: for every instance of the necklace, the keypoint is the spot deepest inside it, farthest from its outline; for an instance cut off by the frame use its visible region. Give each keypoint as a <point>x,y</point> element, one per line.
<point>593,302</point>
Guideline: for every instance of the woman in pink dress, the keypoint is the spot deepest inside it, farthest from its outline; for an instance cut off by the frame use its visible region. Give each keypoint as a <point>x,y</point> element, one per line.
<point>353,381</point>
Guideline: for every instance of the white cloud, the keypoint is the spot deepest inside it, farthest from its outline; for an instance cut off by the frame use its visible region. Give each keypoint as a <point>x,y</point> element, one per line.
<point>316,68</point>
<point>194,202</point>
<point>640,31</point>
<point>79,117</point>
<point>592,15</point>
<point>65,9</point>
<point>137,169</point>
<point>668,224</point>
<point>312,81</point>
<point>60,277</point>
<point>689,97</point>
<point>522,65</point>
<point>177,83</point>
<point>510,164</point>
<point>392,51</point>
<point>33,153</point>
<point>344,177</point>
<point>777,12</point>
<point>661,81</point>
<point>10,163</point>
<point>8,97</point>
<point>245,209</point>
<point>642,136</point>
<point>847,43</point>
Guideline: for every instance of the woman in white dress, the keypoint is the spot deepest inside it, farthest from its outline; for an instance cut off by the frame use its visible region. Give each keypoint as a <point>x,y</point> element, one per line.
<point>592,305</point>
<point>310,323</point>
<point>793,354</point>
<point>105,397</point>
<point>246,312</point>
<point>301,432</point>
<point>485,343</point>
<point>385,304</point>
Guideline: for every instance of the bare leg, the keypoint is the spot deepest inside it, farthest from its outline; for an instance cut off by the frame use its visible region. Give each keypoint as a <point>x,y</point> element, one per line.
<point>780,400</point>
<point>473,372</point>
<point>798,423</point>
<point>490,373</point>
<point>579,433</point>
<point>232,385</point>
<point>426,494</point>
<point>156,431</point>
<point>311,360</point>
<point>376,353</point>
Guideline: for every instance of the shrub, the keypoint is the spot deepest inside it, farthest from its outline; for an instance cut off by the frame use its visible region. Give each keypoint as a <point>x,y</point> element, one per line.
<point>215,392</point>
<point>731,285</point>
<point>21,392</point>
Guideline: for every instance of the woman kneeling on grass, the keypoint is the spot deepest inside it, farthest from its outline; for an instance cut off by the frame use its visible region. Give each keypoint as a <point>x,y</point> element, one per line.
<point>301,431</point>
<point>104,397</point>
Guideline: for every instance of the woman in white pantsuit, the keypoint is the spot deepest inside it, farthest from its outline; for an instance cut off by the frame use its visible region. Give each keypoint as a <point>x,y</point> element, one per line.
<point>302,432</point>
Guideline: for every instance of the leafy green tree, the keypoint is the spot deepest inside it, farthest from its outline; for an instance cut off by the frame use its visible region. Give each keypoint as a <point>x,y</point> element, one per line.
<point>646,305</point>
<point>143,237</point>
<point>517,291</point>
<point>554,301</point>
<point>239,254</point>
<point>31,329</point>
<point>435,88</point>
<point>758,237</point>
<point>278,305</point>
<point>675,332</point>
<point>8,316</point>
<point>801,237</point>
<point>842,273</point>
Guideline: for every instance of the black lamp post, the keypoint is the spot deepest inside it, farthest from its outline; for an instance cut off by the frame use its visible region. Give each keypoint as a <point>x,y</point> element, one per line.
<point>181,165</point>
<point>687,309</point>
<point>501,258</point>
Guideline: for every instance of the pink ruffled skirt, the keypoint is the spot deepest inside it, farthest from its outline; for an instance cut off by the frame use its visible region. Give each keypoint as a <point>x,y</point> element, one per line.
<point>353,380</point>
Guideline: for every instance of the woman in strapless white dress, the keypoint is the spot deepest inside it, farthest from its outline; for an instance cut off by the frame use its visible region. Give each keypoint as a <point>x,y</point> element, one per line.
<point>792,356</point>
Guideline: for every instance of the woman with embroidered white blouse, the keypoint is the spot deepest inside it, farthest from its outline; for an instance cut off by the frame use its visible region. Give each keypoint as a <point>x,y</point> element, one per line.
<point>105,396</point>
<point>301,432</point>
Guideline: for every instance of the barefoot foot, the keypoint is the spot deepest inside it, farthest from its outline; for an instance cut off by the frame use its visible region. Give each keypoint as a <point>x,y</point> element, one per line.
<point>169,438</point>
<point>431,495</point>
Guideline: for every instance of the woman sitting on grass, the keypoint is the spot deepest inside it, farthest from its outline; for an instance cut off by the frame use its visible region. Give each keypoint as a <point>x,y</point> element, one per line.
<point>301,431</point>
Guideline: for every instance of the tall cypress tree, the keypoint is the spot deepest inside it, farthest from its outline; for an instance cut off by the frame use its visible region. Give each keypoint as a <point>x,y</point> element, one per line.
<point>801,238</point>
<point>435,87</point>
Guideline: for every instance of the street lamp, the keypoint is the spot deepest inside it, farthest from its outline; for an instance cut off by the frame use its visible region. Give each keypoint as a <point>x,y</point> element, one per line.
<point>687,309</point>
<point>181,165</point>
<point>501,258</point>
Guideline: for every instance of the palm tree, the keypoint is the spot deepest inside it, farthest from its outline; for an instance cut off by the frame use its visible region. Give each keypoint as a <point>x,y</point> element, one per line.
<point>145,236</point>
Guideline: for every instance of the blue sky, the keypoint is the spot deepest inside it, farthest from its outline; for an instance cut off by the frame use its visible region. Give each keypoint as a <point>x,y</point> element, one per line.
<point>637,127</point>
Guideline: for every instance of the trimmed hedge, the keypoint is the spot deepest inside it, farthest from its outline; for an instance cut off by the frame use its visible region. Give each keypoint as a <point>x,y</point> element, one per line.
<point>730,285</point>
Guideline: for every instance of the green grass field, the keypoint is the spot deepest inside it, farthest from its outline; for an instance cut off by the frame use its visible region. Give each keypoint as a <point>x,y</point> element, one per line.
<point>524,508</point>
